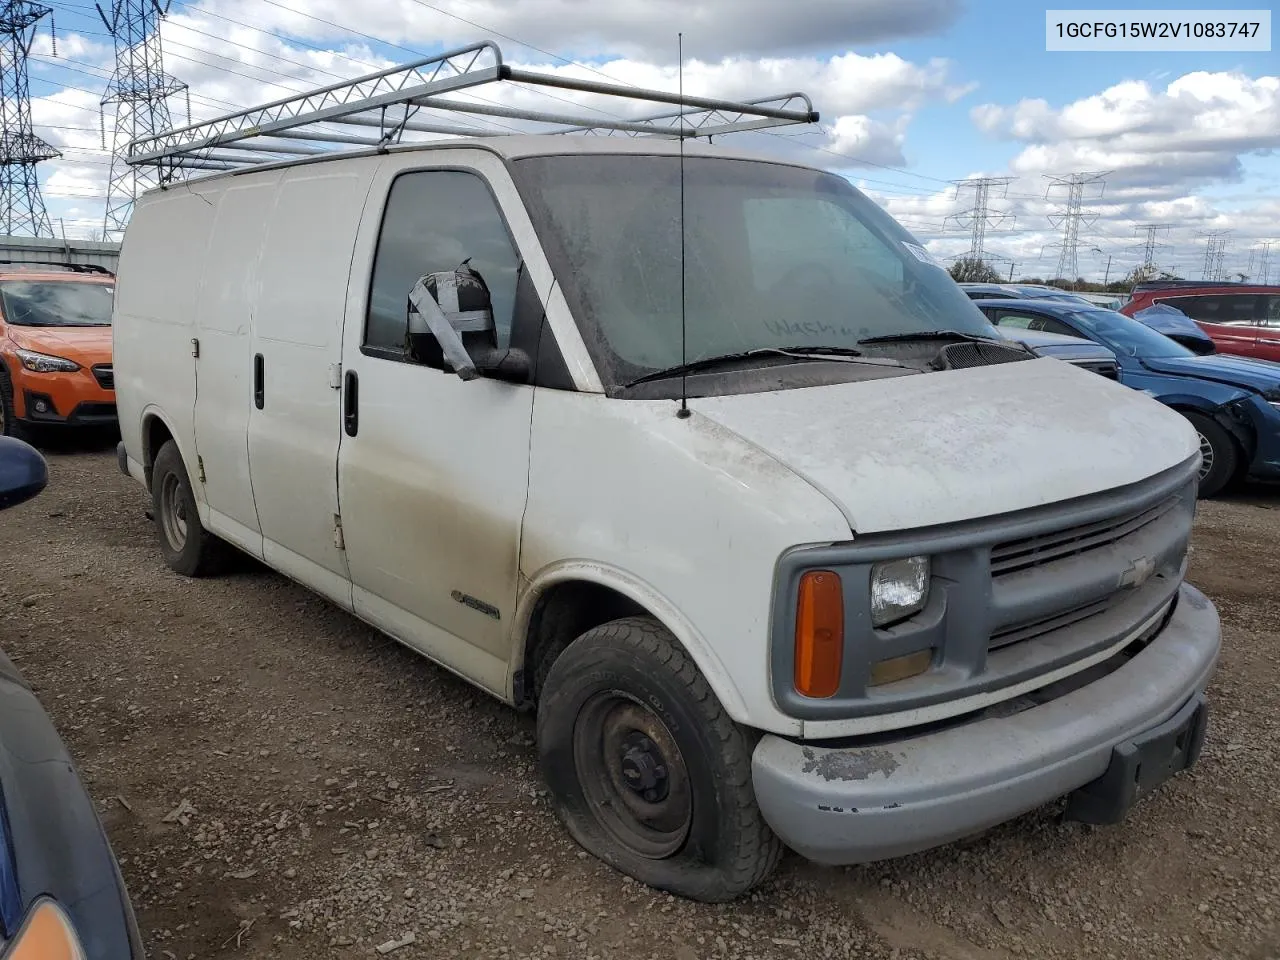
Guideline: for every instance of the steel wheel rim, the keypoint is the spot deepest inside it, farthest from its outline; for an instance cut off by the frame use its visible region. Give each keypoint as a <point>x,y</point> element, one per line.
<point>1206,455</point>
<point>173,512</point>
<point>619,748</point>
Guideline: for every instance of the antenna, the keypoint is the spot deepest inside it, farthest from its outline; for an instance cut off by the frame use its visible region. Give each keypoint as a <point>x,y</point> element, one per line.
<point>683,413</point>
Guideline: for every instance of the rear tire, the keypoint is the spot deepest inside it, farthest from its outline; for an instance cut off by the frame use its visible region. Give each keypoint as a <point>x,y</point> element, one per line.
<point>187,547</point>
<point>1220,456</point>
<point>9,424</point>
<point>646,770</point>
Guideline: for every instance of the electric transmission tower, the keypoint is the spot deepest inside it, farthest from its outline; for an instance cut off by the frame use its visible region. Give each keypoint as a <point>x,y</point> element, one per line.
<point>1215,252</point>
<point>1152,244</point>
<point>1072,217</point>
<point>979,216</point>
<point>20,149</point>
<point>1264,264</point>
<point>140,90</point>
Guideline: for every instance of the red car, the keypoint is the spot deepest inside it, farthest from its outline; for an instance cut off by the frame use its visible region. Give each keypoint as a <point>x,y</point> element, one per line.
<point>1241,318</point>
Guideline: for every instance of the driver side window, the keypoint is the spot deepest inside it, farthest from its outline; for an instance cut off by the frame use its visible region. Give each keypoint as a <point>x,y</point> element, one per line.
<point>434,220</point>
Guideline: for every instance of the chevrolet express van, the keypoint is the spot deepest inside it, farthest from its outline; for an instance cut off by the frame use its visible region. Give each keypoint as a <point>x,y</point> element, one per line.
<point>706,461</point>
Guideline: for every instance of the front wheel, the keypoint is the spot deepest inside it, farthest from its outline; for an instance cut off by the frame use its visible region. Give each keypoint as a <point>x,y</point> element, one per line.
<point>9,424</point>
<point>1219,456</point>
<point>646,770</point>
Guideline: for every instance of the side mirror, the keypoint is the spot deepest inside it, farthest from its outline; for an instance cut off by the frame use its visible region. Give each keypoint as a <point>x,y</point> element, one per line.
<point>453,310</point>
<point>23,472</point>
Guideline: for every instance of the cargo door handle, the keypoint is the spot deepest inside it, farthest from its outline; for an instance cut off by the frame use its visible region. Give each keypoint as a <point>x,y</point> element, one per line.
<point>351,403</point>
<point>259,390</point>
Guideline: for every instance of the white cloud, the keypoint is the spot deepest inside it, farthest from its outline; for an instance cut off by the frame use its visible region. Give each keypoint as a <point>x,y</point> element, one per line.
<point>712,28</point>
<point>1194,131</point>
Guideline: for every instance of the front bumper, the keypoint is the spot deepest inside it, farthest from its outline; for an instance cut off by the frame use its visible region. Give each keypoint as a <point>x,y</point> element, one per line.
<point>57,842</point>
<point>892,797</point>
<point>98,411</point>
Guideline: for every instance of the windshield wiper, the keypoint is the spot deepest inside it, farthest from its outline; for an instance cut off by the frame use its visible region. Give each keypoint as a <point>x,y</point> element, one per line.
<point>847,354</point>
<point>928,335</point>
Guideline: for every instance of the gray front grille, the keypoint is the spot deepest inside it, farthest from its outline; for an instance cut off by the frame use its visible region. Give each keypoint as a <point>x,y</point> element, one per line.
<point>1015,555</point>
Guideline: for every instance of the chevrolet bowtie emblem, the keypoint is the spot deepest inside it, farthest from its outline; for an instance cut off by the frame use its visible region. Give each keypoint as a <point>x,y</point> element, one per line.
<point>1139,572</point>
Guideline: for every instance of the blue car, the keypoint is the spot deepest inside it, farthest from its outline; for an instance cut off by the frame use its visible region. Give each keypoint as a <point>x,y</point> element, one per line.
<point>1233,402</point>
<point>61,893</point>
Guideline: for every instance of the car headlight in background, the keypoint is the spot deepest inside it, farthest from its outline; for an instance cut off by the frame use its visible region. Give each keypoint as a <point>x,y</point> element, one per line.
<point>899,588</point>
<point>44,363</point>
<point>45,934</point>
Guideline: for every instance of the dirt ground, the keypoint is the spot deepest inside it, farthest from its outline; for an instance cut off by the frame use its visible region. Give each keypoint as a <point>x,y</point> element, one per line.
<point>339,792</point>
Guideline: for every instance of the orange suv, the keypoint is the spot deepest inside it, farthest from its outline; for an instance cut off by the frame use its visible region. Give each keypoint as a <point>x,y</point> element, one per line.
<point>55,346</point>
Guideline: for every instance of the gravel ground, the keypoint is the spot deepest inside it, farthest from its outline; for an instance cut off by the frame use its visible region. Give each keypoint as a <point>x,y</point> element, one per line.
<point>279,781</point>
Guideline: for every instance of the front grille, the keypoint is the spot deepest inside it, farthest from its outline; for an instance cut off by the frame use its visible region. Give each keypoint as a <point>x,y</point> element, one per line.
<point>1103,368</point>
<point>105,376</point>
<point>960,356</point>
<point>1041,626</point>
<point>1014,555</point>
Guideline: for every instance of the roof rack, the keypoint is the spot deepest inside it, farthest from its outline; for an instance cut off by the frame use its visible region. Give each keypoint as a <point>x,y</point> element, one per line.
<point>43,265</point>
<point>1189,284</point>
<point>378,109</point>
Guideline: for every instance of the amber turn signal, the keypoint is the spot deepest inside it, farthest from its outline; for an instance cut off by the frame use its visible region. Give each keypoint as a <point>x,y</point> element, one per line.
<point>45,935</point>
<point>819,634</point>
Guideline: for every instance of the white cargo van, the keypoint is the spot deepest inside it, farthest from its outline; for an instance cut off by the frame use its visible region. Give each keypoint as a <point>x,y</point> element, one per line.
<point>780,539</point>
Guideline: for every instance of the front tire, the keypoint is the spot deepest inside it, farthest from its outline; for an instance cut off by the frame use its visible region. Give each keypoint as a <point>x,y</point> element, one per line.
<point>1220,458</point>
<point>646,770</point>
<point>187,547</point>
<point>9,424</point>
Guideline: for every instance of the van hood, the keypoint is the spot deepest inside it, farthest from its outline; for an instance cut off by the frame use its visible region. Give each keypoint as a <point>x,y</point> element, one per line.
<point>1262,376</point>
<point>910,452</point>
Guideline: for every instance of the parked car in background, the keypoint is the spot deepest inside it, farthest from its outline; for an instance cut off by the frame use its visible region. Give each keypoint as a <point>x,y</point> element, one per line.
<point>1176,325</point>
<point>1018,291</point>
<point>1109,301</point>
<point>1241,318</point>
<point>1233,403</point>
<point>55,346</point>
<point>1085,354</point>
<point>61,892</point>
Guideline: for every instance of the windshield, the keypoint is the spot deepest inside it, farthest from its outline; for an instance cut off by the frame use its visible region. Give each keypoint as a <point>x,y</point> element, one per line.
<point>776,256</point>
<point>1127,336</point>
<point>37,303</point>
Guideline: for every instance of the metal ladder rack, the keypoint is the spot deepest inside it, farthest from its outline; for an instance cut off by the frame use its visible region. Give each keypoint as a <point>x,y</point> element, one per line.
<point>378,109</point>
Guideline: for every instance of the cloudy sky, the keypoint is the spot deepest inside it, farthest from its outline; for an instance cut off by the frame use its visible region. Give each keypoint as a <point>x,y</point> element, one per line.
<point>914,94</point>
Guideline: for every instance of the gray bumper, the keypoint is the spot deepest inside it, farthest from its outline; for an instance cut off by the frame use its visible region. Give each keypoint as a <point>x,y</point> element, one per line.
<point>866,803</point>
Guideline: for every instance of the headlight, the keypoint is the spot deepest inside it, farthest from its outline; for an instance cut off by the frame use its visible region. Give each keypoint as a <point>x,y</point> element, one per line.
<point>899,588</point>
<point>1275,403</point>
<point>45,934</point>
<point>43,363</point>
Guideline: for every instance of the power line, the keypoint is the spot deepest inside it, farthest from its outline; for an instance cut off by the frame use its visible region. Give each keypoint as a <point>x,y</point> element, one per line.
<point>140,90</point>
<point>979,216</point>
<point>1151,244</point>
<point>1072,217</point>
<point>21,204</point>
<point>1215,251</point>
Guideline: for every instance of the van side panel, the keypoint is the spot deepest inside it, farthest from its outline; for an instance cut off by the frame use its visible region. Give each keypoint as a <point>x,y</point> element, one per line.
<point>224,315</point>
<point>297,330</point>
<point>154,318</point>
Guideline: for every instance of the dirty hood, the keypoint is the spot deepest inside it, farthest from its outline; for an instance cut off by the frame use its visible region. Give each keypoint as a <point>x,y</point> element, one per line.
<point>907,452</point>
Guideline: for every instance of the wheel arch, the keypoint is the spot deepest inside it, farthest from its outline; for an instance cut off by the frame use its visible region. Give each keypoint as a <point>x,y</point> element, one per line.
<point>156,431</point>
<point>542,630</point>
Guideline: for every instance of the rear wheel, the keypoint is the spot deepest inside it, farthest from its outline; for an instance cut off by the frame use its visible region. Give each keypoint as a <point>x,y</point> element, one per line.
<point>1219,456</point>
<point>647,771</point>
<point>188,548</point>
<point>9,424</point>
